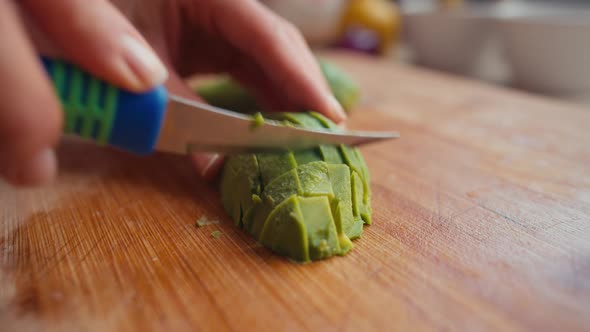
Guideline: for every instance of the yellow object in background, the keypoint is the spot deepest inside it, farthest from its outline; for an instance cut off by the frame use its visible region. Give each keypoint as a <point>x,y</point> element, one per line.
<point>448,4</point>
<point>372,26</point>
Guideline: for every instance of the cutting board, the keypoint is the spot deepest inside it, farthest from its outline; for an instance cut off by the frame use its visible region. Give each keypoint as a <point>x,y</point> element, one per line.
<point>481,222</point>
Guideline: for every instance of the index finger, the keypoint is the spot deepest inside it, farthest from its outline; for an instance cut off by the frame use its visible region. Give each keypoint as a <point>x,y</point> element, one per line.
<point>280,50</point>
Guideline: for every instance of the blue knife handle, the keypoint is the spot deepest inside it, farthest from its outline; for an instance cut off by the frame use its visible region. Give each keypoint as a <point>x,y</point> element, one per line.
<point>96,110</point>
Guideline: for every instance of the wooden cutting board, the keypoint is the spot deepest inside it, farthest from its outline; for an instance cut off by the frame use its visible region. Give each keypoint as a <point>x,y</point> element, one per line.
<point>481,222</point>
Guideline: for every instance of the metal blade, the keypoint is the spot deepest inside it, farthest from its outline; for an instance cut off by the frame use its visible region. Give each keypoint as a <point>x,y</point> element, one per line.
<point>191,126</point>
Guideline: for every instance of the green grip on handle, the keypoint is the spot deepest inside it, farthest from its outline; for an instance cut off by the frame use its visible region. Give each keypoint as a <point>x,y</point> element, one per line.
<point>89,104</point>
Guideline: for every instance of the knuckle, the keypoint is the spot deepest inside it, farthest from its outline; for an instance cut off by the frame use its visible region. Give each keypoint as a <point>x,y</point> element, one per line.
<point>281,34</point>
<point>292,30</point>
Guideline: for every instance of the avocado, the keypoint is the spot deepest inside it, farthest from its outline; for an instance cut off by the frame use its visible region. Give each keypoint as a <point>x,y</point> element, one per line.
<point>307,204</point>
<point>227,93</point>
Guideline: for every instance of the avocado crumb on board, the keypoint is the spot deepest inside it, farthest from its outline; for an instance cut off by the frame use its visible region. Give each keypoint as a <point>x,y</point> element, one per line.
<point>204,221</point>
<point>216,234</point>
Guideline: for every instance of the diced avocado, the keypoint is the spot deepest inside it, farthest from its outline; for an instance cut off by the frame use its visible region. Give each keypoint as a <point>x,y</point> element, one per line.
<point>306,204</point>
<point>357,194</point>
<point>257,121</point>
<point>341,184</point>
<point>273,165</point>
<point>259,215</point>
<point>242,186</point>
<point>281,187</point>
<point>285,232</point>
<point>338,209</point>
<point>307,156</point>
<point>351,159</point>
<point>278,190</point>
<point>315,180</point>
<point>248,211</point>
<point>321,231</point>
<point>301,119</point>
<point>331,154</point>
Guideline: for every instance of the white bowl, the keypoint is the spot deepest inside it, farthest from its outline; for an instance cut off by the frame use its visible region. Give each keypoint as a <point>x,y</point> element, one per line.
<point>447,40</point>
<point>548,48</point>
<point>318,21</point>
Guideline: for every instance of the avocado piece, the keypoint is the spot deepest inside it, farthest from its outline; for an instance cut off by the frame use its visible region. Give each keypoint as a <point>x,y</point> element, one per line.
<point>285,232</point>
<point>342,205</point>
<point>321,230</point>
<point>257,121</point>
<point>360,184</point>
<point>315,179</point>
<point>300,119</point>
<point>307,156</point>
<point>331,154</point>
<point>273,165</point>
<point>279,189</point>
<point>243,186</point>
<point>307,204</point>
<point>227,93</point>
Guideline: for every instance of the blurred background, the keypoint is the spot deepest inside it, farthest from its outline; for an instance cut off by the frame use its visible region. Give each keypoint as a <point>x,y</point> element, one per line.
<point>537,46</point>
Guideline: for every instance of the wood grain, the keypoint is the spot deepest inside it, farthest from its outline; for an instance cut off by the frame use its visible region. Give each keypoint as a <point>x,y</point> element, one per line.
<point>481,222</point>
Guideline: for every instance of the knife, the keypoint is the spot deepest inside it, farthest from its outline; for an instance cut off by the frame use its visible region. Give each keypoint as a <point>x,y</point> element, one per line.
<point>142,123</point>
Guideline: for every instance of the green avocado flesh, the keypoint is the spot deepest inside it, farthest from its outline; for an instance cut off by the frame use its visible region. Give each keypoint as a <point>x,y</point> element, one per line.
<point>306,205</point>
<point>226,93</point>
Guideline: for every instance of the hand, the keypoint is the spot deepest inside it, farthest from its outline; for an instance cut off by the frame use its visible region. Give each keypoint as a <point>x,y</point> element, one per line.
<point>240,37</point>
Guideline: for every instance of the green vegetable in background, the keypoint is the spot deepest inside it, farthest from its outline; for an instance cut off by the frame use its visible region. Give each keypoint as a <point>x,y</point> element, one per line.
<point>343,87</point>
<point>226,93</point>
<point>306,205</point>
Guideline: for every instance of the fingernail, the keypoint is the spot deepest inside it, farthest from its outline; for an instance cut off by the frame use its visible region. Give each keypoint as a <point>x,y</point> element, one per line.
<point>207,170</point>
<point>141,67</point>
<point>337,109</point>
<point>207,164</point>
<point>37,170</point>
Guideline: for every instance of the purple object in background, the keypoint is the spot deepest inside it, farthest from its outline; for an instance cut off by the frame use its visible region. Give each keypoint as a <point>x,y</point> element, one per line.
<point>360,39</point>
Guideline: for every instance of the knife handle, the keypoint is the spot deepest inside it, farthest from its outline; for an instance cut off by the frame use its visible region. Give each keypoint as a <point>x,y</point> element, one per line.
<point>96,110</point>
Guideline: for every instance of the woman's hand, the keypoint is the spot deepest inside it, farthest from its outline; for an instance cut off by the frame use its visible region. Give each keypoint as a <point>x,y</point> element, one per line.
<point>119,40</point>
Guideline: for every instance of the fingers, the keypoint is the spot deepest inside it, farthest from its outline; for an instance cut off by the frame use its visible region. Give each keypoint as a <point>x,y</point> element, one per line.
<point>268,97</point>
<point>280,50</point>
<point>30,118</point>
<point>96,36</point>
